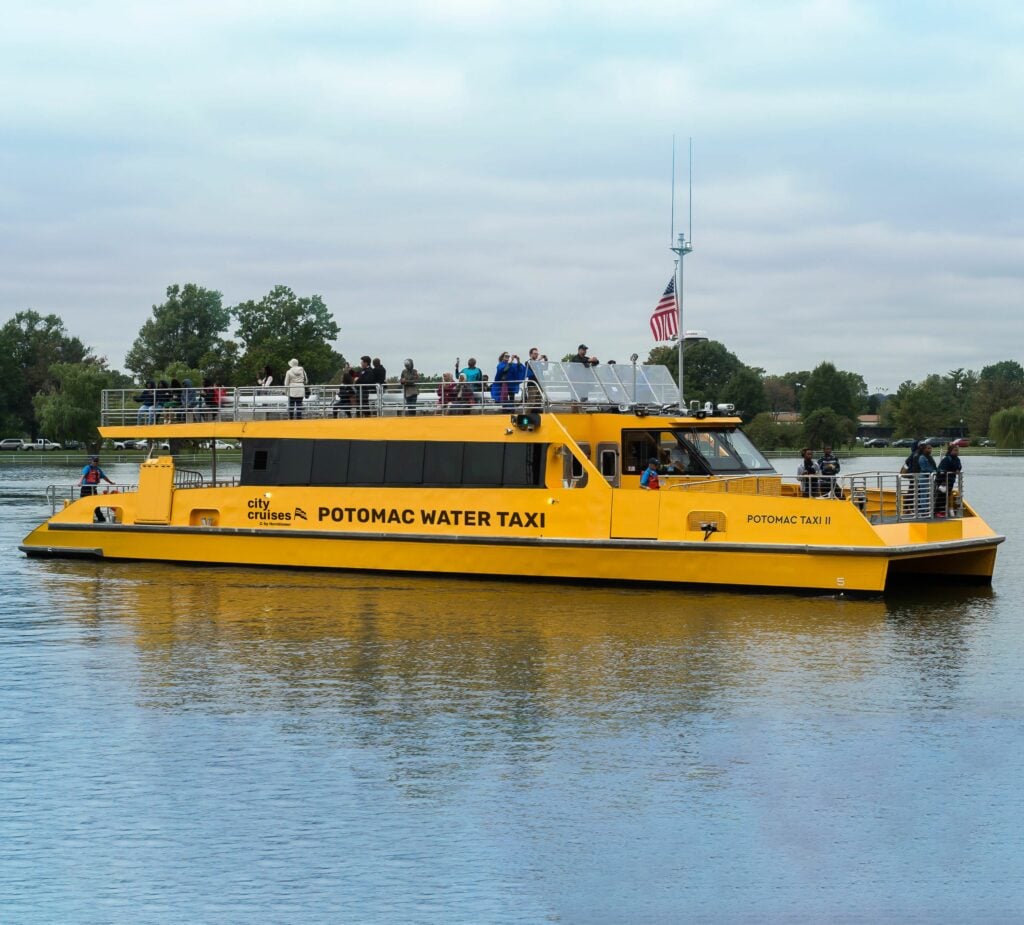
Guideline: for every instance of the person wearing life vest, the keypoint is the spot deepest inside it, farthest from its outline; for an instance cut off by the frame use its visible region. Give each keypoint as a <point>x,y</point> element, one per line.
<point>90,482</point>
<point>649,480</point>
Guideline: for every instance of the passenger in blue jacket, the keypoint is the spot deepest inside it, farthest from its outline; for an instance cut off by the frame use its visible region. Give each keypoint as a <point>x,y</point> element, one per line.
<point>508,378</point>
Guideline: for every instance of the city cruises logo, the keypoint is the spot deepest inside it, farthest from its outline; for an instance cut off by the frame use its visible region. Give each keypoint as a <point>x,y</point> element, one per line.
<point>261,511</point>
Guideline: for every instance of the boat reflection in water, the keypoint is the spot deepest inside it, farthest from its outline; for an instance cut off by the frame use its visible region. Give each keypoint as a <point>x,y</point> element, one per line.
<point>398,646</point>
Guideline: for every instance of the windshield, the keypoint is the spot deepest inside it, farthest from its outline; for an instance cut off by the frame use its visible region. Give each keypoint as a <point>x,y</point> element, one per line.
<point>726,450</point>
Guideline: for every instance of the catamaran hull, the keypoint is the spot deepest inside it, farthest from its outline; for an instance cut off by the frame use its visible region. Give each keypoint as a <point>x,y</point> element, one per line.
<point>826,568</point>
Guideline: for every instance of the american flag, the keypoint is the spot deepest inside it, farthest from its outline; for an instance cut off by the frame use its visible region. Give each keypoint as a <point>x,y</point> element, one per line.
<point>665,318</point>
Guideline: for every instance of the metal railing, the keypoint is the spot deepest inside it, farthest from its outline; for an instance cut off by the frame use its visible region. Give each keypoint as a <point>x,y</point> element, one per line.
<point>59,496</point>
<point>547,386</point>
<point>882,497</point>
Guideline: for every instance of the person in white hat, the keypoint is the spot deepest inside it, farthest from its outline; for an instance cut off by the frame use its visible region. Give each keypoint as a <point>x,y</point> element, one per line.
<point>295,386</point>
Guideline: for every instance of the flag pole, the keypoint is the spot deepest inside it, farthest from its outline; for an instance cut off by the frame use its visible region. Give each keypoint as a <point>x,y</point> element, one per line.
<point>682,248</point>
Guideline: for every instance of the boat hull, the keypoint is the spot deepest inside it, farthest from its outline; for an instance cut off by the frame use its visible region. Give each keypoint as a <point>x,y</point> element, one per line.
<point>651,561</point>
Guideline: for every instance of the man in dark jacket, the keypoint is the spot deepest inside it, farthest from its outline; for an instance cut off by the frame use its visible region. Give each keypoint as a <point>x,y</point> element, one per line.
<point>364,384</point>
<point>828,466</point>
<point>910,466</point>
<point>950,468</point>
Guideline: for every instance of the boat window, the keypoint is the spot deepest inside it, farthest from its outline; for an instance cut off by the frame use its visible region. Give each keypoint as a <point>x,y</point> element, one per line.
<point>572,468</point>
<point>673,454</point>
<point>393,463</point>
<point>520,468</point>
<point>726,450</point>
<point>442,464</point>
<point>330,463</point>
<point>366,462</point>
<point>483,464</point>
<point>295,467</point>
<point>405,463</point>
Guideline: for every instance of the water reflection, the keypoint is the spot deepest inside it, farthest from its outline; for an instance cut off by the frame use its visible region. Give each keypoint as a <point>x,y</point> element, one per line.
<point>386,644</point>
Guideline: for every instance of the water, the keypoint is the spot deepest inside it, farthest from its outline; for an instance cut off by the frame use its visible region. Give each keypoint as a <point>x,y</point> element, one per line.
<point>238,745</point>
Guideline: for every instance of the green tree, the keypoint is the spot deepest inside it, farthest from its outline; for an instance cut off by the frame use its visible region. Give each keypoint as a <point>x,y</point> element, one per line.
<point>185,329</point>
<point>768,434</point>
<point>30,346</point>
<point>746,391</point>
<point>283,325</point>
<point>828,387</point>
<point>999,386</point>
<point>69,409</point>
<point>708,366</point>
<point>1007,428</point>
<point>924,408</point>
<point>824,427</point>
<point>779,394</point>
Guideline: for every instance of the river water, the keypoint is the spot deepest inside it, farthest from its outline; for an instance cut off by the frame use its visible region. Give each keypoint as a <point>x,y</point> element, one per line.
<point>188,744</point>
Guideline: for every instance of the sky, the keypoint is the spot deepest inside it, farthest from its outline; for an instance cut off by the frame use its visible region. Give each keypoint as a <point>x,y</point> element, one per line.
<point>462,177</point>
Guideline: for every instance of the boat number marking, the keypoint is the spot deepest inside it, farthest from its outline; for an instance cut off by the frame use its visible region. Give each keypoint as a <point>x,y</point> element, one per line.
<point>818,520</point>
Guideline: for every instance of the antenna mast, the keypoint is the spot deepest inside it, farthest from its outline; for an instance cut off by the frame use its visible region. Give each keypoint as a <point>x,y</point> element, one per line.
<point>681,248</point>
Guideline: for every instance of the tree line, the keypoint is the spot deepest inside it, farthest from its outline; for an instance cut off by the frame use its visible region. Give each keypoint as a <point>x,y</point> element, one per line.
<point>989,403</point>
<point>50,380</point>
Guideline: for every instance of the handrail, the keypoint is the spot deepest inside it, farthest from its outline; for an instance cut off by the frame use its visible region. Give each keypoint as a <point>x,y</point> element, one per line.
<point>882,497</point>
<point>556,386</point>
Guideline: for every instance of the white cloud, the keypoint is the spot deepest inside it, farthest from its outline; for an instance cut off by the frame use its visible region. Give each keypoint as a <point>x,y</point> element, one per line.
<point>485,175</point>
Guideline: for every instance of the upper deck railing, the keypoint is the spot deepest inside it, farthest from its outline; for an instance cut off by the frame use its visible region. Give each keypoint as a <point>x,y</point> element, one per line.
<point>554,386</point>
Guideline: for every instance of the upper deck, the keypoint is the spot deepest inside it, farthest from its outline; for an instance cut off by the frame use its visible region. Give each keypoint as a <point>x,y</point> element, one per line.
<point>557,387</point>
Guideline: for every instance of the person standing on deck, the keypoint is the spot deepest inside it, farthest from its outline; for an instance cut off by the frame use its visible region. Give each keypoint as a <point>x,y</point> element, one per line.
<point>950,468</point>
<point>92,474</point>
<point>649,481</point>
<point>804,472</point>
<point>409,379</point>
<point>295,386</point>
<point>474,376</point>
<point>828,466</point>
<point>364,385</point>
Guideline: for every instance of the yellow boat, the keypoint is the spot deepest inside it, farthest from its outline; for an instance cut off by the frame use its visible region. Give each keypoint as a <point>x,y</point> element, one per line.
<point>546,484</point>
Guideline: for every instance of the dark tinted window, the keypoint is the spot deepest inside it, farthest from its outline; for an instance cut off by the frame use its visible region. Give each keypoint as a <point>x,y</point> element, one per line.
<point>393,462</point>
<point>295,466</point>
<point>404,462</point>
<point>442,463</point>
<point>366,462</point>
<point>482,464</point>
<point>638,448</point>
<point>259,462</point>
<point>330,462</point>
<point>521,465</point>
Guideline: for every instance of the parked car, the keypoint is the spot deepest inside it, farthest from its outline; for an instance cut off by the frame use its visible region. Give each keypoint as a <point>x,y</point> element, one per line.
<point>984,441</point>
<point>222,445</point>
<point>11,443</point>
<point>935,441</point>
<point>41,444</point>
<point>904,441</point>
<point>876,442</point>
<point>129,444</point>
<point>74,445</point>
<point>960,441</point>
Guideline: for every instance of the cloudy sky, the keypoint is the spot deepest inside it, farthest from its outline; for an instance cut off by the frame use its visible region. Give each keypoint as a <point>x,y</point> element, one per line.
<point>466,176</point>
